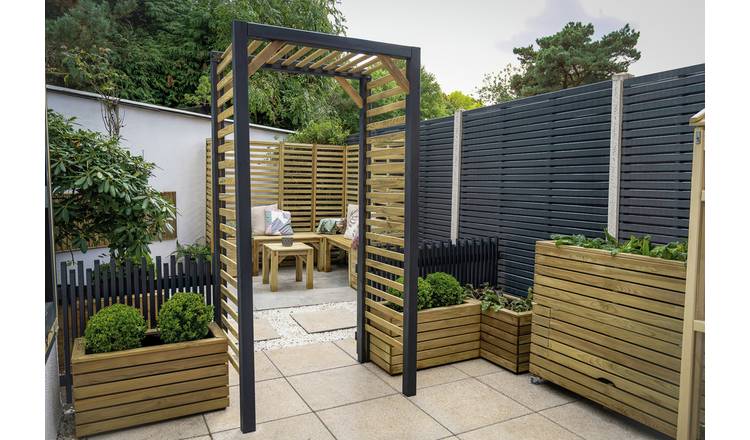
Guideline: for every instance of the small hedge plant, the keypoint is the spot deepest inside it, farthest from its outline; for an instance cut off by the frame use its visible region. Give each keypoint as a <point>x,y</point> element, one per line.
<point>438,289</point>
<point>113,328</point>
<point>184,318</point>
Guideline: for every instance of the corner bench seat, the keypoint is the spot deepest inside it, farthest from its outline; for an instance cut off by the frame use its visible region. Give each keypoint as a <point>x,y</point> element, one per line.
<point>345,244</point>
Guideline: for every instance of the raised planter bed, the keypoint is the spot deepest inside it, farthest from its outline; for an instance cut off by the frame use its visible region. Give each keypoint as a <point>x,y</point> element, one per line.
<point>506,339</point>
<point>444,335</point>
<point>610,328</point>
<point>148,384</point>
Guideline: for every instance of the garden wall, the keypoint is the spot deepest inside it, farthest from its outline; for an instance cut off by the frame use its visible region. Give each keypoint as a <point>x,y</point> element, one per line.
<point>173,139</point>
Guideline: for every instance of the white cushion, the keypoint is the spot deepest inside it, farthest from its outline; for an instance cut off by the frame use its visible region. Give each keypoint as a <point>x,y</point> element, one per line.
<point>258,216</point>
<point>352,221</point>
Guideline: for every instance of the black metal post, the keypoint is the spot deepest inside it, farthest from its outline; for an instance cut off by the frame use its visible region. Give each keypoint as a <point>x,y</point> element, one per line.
<point>363,340</point>
<point>216,280</point>
<point>243,225</point>
<point>411,242</point>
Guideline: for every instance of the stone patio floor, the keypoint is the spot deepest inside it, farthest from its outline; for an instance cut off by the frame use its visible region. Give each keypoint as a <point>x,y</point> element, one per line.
<point>319,391</point>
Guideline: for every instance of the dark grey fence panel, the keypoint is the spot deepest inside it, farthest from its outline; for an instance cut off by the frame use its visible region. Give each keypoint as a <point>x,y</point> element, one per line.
<point>533,167</point>
<point>435,177</point>
<point>657,152</point>
<point>472,261</point>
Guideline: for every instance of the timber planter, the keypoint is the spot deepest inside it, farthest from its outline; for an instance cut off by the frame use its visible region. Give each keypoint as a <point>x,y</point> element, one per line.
<point>148,384</point>
<point>609,327</point>
<point>444,335</point>
<point>506,339</point>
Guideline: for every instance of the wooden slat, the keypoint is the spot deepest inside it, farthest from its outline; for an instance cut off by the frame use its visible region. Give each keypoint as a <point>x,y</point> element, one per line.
<point>264,55</point>
<point>310,57</point>
<point>296,55</point>
<point>226,59</point>
<point>398,105</point>
<point>352,62</point>
<point>337,62</point>
<point>365,65</point>
<point>384,95</point>
<point>350,91</point>
<point>398,120</point>
<point>395,72</point>
<point>325,59</point>
<point>283,51</point>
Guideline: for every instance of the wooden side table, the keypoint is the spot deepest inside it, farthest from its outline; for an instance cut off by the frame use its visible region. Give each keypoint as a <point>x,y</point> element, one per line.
<point>274,253</point>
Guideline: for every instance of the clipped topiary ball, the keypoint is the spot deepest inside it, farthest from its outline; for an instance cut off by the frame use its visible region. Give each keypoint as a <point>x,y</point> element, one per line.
<point>114,328</point>
<point>424,299</point>
<point>184,318</point>
<point>445,289</point>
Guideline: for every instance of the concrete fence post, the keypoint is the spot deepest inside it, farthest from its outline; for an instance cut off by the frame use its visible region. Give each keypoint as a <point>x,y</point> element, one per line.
<point>456,180</point>
<point>615,153</point>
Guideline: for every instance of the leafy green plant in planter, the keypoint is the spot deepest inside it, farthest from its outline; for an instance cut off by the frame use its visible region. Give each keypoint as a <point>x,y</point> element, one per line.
<point>445,289</point>
<point>494,299</point>
<point>675,250</point>
<point>184,317</point>
<point>424,300</point>
<point>113,328</point>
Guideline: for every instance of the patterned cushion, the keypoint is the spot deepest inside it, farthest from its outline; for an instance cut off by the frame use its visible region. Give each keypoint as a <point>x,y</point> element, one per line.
<point>352,221</point>
<point>330,226</point>
<point>278,222</point>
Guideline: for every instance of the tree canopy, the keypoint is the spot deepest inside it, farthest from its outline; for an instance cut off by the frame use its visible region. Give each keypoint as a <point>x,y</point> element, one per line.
<point>568,58</point>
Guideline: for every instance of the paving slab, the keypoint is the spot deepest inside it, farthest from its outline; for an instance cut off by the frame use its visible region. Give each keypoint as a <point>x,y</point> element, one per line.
<point>385,418</point>
<point>529,427</point>
<point>326,320</point>
<point>477,367</point>
<point>308,358</point>
<point>519,388</point>
<point>425,378</point>
<point>466,405</point>
<point>592,421</point>
<point>330,287</point>
<point>275,399</point>
<point>263,331</point>
<point>340,386</point>
<point>349,345</point>
<point>304,427</point>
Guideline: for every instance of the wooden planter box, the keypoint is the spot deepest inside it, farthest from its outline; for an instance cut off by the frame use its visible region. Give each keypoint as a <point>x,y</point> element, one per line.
<point>444,335</point>
<point>506,339</point>
<point>610,329</point>
<point>148,384</point>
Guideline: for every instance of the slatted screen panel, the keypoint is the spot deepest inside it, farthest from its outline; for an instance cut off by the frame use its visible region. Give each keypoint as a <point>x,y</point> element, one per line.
<point>435,179</point>
<point>329,182</point>
<point>298,184</point>
<point>533,167</point>
<point>351,177</point>
<point>657,152</point>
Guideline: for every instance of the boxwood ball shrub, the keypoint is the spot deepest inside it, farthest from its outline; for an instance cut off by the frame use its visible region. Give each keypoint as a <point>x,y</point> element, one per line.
<point>424,300</point>
<point>113,328</point>
<point>445,289</point>
<point>184,317</point>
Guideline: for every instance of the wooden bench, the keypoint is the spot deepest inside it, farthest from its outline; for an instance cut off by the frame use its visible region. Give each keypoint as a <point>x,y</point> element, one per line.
<point>345,244</point>
<point>310,238</point>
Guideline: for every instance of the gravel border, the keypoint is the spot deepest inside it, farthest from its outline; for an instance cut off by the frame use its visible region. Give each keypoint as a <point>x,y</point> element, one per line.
<point>292,334</point>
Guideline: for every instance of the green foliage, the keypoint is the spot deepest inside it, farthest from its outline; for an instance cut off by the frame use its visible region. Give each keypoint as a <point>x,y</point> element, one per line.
<point>676,250</point>
<point>457,100</point>
<point>160,50</point>
<point>184,318</point>
<point>193,251</point>
<point>445,289</point>
<point>113,328</point>
<point>101,191</point>
<point>496,87</point>
<point>325,131</point>
<point>424,295</point>
<point>571,58</point>
<point>494,299</point>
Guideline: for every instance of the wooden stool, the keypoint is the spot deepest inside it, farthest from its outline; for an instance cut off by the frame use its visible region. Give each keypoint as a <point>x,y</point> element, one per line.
<point>274,253</point>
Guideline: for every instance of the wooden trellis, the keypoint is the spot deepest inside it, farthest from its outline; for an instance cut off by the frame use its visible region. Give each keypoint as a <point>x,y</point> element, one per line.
<point>309,180</point>
<point>387,176</point>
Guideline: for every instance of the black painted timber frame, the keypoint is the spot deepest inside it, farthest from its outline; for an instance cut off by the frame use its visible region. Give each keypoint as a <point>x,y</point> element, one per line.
<point>242,34</point>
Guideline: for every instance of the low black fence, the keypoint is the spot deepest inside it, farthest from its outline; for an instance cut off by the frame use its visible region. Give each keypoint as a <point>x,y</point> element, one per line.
<point>84,291</point>
<point>471,261</point>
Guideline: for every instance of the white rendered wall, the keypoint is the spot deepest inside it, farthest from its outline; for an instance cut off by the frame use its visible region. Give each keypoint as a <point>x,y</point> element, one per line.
<point>52,407</point>
<point>174,140</point>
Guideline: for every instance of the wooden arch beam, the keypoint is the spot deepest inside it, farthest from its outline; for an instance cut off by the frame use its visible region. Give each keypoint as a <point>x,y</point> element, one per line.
<point>264,55</point>
<point>395,72</point>
<point>350,91</point>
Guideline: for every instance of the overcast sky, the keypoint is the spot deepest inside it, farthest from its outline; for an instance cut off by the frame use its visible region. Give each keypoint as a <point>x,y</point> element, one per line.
<point>462,40</point>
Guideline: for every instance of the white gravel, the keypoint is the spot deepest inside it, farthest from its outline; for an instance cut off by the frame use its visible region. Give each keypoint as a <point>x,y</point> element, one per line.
<point>292,334</point>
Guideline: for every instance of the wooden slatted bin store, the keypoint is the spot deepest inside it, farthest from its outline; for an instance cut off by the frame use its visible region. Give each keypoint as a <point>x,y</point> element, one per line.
<point>609,328</point>
<point>444,335</point>
<point>148,384</point>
